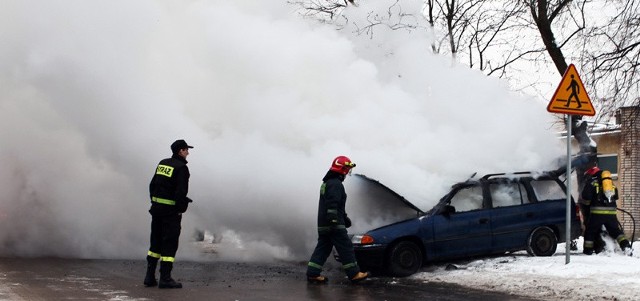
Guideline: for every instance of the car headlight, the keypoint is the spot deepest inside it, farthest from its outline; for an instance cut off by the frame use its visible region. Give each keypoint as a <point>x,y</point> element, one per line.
<point>362,239</point>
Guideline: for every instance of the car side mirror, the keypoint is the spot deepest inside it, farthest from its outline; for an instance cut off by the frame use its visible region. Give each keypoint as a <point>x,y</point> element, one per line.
<point>448,210</point>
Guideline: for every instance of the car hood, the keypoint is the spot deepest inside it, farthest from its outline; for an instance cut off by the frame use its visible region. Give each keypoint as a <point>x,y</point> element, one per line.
<point>374,204</point>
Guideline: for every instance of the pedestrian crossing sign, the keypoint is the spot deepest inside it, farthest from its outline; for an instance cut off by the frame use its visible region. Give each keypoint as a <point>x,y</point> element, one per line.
<point>571,97</point>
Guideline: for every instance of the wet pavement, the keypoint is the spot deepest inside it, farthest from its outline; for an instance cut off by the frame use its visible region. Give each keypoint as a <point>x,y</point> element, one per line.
<point>83,279</point>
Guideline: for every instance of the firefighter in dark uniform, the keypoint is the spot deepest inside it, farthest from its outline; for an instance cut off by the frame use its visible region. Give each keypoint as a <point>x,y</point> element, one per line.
<point>598,200</point>
<point>332,225</point>
<point>168,190</point>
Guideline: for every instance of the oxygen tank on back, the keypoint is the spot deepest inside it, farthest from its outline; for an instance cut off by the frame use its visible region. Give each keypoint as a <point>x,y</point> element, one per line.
<point>607,185</point>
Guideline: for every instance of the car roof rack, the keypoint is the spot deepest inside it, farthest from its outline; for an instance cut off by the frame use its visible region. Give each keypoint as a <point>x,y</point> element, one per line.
<point>485,177</point>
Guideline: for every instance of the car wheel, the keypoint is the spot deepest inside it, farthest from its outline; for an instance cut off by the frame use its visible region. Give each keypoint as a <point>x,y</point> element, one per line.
<point>405,258</point>
<point>542,242</point>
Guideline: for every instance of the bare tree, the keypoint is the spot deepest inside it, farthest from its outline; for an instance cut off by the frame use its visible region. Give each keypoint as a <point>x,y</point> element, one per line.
<point>607,45</point>
<point>614,65</point>
<point>322,10</point>
<point>498,37</point>
<point>484,34</point>
<point>488,35</point>
<point>394,18</point>
<point>458,17</point>
<point>330,10</point>
<point>546,16</point>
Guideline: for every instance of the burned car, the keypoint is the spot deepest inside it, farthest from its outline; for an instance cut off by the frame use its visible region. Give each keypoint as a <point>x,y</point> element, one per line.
<point>494,214</point>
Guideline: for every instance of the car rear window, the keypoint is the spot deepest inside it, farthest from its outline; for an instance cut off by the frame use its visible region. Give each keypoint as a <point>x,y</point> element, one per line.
<point>546,190</point>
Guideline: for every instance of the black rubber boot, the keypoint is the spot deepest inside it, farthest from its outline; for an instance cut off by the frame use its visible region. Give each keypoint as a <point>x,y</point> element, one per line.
<point>165,276</point>
<point>625,245</point>
<point>150,278</point>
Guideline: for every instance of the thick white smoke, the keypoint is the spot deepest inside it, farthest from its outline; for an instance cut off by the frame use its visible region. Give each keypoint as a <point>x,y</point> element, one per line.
<point>92,93</point>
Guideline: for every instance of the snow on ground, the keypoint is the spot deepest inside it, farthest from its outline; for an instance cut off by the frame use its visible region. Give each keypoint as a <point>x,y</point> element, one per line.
<point>609,275</point>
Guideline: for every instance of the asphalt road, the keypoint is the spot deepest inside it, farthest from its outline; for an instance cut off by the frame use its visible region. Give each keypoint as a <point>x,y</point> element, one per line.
<point>82,279</point>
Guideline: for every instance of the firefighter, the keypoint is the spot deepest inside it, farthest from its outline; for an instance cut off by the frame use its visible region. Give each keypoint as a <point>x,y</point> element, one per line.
<point>332,225</point>
<point>598,199</point>
<point>168,190</point>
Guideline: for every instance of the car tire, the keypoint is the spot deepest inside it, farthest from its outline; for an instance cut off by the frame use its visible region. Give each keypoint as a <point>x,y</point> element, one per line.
<point>405,258</point>
<point>542,242</point>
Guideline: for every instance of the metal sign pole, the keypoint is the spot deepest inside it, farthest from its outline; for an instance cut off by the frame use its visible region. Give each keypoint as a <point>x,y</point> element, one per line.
<point>568,177</point>
<point>560,104</point>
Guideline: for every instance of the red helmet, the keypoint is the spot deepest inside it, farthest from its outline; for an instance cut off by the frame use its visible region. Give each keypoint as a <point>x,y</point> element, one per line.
<point>592,171</point>
<point>342,165</point>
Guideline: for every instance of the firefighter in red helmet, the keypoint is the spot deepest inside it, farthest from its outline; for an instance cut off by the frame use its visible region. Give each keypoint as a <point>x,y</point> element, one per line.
<point>598,203</point>
<point>332,225</point>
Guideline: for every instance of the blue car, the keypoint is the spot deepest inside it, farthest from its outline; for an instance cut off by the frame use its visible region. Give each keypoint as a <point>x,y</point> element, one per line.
<point>494,214</point>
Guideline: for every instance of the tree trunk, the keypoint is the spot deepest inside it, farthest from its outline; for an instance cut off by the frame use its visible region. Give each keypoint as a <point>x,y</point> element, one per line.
<point>539,12</point>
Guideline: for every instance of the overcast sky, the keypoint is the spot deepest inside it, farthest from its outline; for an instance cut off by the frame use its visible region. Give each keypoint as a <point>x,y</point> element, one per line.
<point>93,93</point>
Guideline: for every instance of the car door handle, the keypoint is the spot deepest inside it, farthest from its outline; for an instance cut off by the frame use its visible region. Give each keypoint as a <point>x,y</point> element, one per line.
<point>483,220</point>
<point>529,214</point>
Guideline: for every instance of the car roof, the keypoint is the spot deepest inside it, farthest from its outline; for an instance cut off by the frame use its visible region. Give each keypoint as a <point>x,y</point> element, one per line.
<point>508,177</point>
<point>469,182</point>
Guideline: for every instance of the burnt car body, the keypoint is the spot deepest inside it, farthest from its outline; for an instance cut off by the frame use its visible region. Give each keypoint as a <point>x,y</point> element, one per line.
<point>495,214</point>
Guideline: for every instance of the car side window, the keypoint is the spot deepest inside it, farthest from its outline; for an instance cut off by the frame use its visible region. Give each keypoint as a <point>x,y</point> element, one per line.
<point>467,199</point>
<point>548,190</point>
<point>508,194</point>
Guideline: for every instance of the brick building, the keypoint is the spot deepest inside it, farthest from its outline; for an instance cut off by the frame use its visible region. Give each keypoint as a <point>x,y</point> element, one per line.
<point>619,152</point>
<point>629,167</point>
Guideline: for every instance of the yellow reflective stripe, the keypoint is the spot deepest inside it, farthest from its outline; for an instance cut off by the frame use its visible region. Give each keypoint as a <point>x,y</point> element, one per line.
<point>327,228</point>
<point>349,265</point>
<point>153,254</point>
<point>315,265</point>
<point>603,210</point>
<point>164,170</point>
<point>163,201</point>
<point>169,259</point>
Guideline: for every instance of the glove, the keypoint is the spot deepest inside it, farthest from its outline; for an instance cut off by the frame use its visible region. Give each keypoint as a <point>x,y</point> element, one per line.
<point>347,221</point>
<point>182,207</point>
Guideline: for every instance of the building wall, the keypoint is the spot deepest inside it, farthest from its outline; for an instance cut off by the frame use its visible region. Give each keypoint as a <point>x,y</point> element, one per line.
<point>629,168</point>
<point>608,144</point>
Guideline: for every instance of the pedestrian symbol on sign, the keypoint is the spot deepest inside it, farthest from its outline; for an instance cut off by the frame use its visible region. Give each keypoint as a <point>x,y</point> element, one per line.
<point>571,96</point>
<point>575,90</point>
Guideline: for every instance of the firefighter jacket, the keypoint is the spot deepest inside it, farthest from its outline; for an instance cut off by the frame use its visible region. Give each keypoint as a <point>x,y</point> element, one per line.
<point>169,187</point>
<point>594,199</point>
<point>331,212</point>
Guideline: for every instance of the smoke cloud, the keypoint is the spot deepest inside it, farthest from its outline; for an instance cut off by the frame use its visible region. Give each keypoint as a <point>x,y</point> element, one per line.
<point>92,93</point>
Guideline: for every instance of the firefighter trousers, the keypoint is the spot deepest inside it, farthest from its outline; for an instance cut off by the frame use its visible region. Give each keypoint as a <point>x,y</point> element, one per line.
<point>594,226</point>
<point>165,234</point>
<point>339,239</point>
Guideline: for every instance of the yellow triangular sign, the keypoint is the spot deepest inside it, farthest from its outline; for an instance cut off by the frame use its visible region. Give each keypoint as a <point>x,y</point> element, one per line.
<point>571,97</point>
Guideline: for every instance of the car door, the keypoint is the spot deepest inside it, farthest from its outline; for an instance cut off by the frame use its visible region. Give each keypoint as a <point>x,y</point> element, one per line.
<point>511,216</point>
<point>465,232</point>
